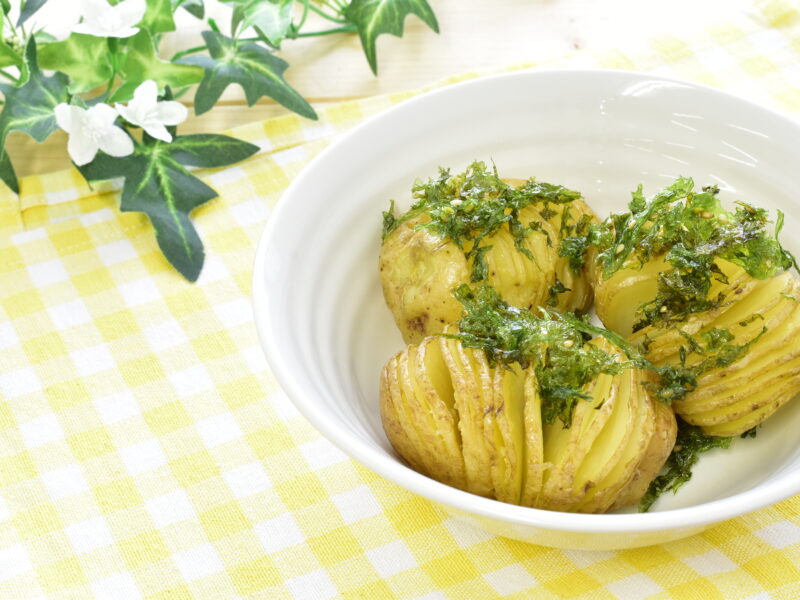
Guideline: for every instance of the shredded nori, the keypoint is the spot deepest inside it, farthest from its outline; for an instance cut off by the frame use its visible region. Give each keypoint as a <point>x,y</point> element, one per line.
<point>690,443</point>
<point>469,207</point>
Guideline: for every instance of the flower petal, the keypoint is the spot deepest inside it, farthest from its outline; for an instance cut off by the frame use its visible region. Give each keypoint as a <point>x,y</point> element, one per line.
<point>90,28</point>
<point>81,148</point>
<point>102,115</point>
<point>115,142</point>
<point>158,131</point>
<point>124,33</point>
<point>127,113</point>
<point>130,12</point>
<point>171,112</point>
<point>146,94</point>
<point>68,117</point>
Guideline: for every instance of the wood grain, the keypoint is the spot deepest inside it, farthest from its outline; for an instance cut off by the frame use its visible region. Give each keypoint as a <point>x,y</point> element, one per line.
<point>474,36</point>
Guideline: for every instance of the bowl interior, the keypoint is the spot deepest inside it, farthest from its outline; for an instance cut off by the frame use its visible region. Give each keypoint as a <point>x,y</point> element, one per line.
<point>322,315</point>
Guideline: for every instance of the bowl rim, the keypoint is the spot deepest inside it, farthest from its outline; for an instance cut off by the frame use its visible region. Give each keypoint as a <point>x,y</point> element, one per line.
<point>697,515</point>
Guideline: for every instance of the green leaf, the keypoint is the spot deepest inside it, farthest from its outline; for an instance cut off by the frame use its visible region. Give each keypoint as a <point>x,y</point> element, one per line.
<point>374,17</point>
<point>5,5</point>
<point>194,7</point>
<point>273,18</point>
<point>30,108</point>
<point>84,58</point>
<point>8,56</point>
<point>258,71</point>
<point>7,173</point>
<point>30,7</point>
<point>158,17</point>
<point>210,150</point>
<point>142,63</point>
<point>158,185</point>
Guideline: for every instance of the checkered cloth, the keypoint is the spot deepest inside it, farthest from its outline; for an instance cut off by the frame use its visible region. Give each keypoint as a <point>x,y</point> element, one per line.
<point>146,450</point>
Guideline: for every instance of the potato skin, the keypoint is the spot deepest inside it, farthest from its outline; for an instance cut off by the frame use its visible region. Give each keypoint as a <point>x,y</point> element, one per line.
<point>419,271</point>
<point>483,431</point>
<point>732,399</point>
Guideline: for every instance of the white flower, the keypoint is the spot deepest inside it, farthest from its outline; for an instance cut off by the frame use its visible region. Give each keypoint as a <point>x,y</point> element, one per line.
<point>91,130</point>
<point>103,20</point>
<point>151,115</point>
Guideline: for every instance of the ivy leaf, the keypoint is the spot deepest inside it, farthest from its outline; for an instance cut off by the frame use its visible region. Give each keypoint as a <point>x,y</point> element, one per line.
<point>158,185</point>
<point>30,7</point>
<point>273,18</point>
<point>256,69</point>
<point>194,7</point>
<point>8,56</point>
<point>374,17</point>
<point>142,63</point>
<point>85,58</point>
<point>158,17</point>
<point>29,108</point>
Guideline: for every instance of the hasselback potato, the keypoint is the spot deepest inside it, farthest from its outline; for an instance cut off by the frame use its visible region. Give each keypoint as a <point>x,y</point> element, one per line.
<point>712,297</point>
<point>458,415</point>
<point>475,227</point>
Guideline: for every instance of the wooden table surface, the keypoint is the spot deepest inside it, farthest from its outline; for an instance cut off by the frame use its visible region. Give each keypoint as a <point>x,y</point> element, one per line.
<point>474,35</point>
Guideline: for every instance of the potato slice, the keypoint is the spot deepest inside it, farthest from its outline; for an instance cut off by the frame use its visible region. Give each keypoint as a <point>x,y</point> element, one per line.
<point>468,401</point>
<point>619,448</point>
<point>508,433</point>
<point>533,464</point>
<point>395,417</point>
<point>660,445</point>
<point>436,420</point>
<point>519,280</point>
<point>566,448</point>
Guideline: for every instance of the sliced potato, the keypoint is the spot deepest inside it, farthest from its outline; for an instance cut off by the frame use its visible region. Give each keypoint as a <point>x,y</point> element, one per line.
<point>457,419</point>
<point>419,271</point>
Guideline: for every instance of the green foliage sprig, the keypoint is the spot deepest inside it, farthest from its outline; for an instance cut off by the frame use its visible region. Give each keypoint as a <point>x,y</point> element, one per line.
<point>112,57</point>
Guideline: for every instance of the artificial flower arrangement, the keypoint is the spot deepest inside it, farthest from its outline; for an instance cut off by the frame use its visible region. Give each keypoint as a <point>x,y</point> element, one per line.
<point>95,72</point>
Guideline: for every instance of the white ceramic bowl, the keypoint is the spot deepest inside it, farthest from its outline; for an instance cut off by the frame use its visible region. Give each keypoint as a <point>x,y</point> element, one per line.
<point>327,332</point>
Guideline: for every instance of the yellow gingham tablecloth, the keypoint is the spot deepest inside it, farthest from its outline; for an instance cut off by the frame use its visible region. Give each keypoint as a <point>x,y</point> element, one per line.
<point>146,450</point>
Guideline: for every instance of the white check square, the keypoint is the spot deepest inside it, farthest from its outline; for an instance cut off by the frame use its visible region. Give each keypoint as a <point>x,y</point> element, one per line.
<point>199,562</point>
<point>247,480</point>
<point>191,381</point>
<point>356,504</point>
<point>14,561</point>
<point>117,407</point>
<point>392,558</point>
<point>69,314</point>
<point>144,456</point>
<point>279,533</point>
<point>218,429</point>
<point>63,482</point>
<point>40,431</point>
<point>170,508</point>
<point>92,360</point>
<point>317,585</point>
<point>47,272</point>
<point>89,535</point>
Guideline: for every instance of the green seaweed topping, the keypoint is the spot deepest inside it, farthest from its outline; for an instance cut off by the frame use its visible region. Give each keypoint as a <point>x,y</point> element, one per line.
<point>691,230</point>
<point>555,345</point>
<point>690,443</point>
<point>469,207</point>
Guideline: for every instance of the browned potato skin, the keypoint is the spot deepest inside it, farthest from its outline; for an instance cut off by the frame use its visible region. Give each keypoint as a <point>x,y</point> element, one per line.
<point>419,270</point>
<point>483,432</point>
<point>732,399</point>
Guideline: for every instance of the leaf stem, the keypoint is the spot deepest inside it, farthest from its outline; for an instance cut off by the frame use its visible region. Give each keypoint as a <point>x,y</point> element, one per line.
<point>188,51</point>
<point>9,76</point>
<point>323,14</point>
<point>303,18</point>
<point>345,29</point>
